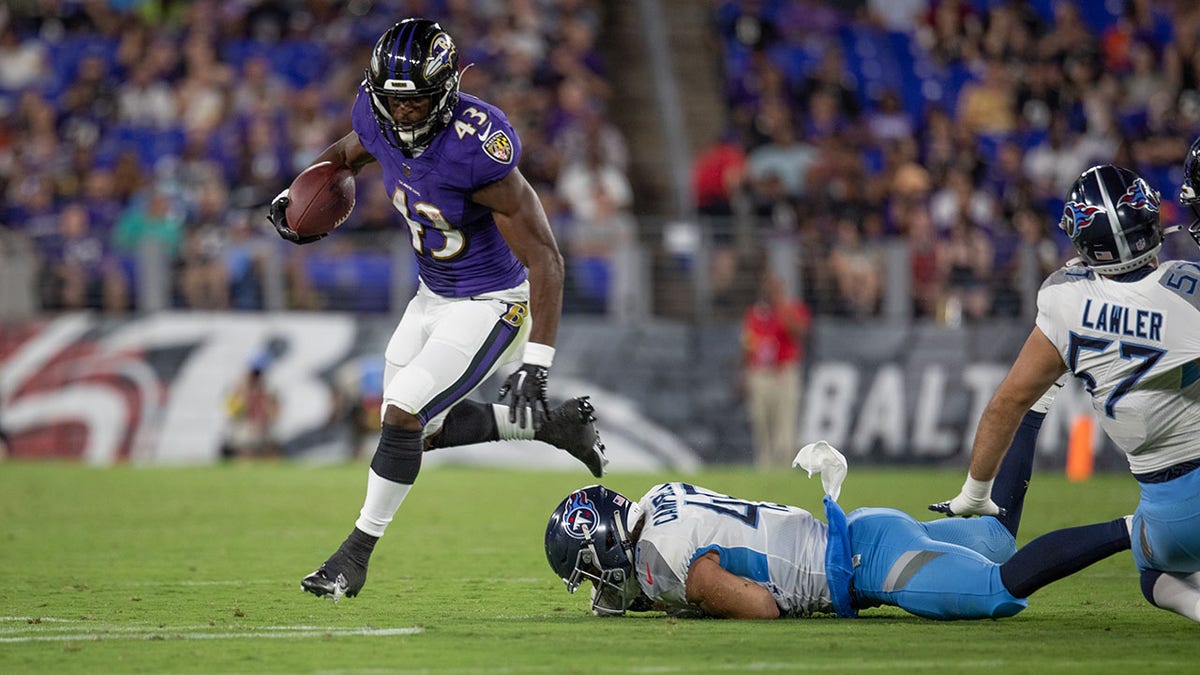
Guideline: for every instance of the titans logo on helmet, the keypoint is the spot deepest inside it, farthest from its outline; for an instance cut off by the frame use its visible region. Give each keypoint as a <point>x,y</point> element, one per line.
<point>581,517</point>
<point>1078,215</point>
<point>439,55</point>
<point>1139,196</point>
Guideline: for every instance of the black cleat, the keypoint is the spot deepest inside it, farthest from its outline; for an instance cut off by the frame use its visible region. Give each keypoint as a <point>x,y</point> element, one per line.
<point>571,427</point>
<point>339,576</point>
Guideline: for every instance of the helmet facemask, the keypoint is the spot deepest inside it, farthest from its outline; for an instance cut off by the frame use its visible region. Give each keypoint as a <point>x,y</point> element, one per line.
<point>613,588</point>
<point>414,59</point>
<point>415,137</point>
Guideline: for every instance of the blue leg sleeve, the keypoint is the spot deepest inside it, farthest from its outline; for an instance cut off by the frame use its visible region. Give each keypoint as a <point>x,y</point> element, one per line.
<point>1060,553</point>
<point>1012,482</point>
<point>1149,578</point>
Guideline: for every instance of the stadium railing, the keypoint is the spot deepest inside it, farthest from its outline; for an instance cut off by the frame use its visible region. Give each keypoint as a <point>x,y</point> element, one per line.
<point>700,271</point>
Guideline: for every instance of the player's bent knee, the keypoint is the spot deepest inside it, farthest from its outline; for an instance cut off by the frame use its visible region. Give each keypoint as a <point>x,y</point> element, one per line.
<point>398,457</point>
<point>403,419</point>
<point>1006,608</point>
<point>1149,579</point>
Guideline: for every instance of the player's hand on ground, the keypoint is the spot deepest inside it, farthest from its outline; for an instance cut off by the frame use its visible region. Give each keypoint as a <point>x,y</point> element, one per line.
<point>277,214</point>
<point>963,506</point>
<point>524,392</point>
<point>975,499</point>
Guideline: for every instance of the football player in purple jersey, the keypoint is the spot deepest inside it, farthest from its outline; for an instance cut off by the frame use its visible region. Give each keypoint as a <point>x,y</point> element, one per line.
<point>490,289</point>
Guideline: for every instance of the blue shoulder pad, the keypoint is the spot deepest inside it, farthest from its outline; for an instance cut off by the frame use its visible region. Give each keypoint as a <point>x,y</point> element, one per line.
<point>839,570</point>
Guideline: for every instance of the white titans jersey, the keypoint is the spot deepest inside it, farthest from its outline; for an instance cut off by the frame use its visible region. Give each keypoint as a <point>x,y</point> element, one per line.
<point>782,548</point>
<point>1135,345</point>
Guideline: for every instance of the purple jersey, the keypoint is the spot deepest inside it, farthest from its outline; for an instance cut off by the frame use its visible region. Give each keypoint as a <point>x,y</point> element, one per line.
<point>459,250</point>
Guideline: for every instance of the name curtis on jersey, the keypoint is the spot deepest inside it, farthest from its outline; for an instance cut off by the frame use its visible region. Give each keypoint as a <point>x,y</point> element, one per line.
<point>666,507</point>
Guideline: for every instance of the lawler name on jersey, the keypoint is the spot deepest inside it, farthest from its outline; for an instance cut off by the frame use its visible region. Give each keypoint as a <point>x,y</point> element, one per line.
<point>781,548</point>
<point>1135,346</point>
<point>1120,320</point>
<point>460,252</point>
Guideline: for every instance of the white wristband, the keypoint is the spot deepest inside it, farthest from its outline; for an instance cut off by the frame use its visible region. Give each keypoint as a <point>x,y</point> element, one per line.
<point>538,354</point>
<point>977,490</point>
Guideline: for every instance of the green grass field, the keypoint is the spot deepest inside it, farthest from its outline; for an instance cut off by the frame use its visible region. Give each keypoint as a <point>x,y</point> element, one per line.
<point>197,570</point>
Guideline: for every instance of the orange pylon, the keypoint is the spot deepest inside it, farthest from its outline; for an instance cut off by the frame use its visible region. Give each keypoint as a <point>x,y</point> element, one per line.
<point>1079,449</point>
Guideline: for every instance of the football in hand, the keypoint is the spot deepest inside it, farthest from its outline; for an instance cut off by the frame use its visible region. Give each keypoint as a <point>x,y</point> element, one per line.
<point>320,199</point>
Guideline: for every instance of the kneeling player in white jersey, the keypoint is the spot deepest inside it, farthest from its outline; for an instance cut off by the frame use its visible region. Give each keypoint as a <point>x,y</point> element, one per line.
<point>1129,328</point>
<point>687,550</point>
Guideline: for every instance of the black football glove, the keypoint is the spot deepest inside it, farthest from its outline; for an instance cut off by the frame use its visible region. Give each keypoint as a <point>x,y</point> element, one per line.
<point>277,214</point>
<point>527,385</point>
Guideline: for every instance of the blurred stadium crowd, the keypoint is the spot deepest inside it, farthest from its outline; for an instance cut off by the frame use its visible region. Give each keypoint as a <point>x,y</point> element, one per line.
<point>955,126</point>
<point>127,121</point>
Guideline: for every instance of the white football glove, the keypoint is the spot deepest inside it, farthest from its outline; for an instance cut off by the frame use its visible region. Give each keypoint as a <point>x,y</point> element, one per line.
<point>975,499</point>
<point>823,458</point>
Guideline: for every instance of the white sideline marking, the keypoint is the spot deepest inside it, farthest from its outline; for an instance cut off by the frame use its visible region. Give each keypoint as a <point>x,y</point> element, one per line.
<point>32,619</point>
<point>191,633</point>
<point>741,667</point>
<point>792,666</point>
<point>226,582</point>
<point>110,628</point>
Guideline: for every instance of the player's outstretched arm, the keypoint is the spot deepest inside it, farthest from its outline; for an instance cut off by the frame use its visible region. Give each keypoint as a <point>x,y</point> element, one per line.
<point>725,595</point>
<point>522,221</point>
<point>1035,370</point>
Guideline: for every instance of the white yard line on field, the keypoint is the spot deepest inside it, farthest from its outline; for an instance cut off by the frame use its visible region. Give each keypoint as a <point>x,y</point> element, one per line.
<point>93,627</point>
<point>223,582</point>
<point>203,633</point>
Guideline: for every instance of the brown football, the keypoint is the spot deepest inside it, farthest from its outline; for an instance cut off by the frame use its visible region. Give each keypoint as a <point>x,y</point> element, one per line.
<point>320,199</point>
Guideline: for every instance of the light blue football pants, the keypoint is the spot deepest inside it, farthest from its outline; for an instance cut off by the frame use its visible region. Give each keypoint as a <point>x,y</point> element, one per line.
<point>1166,525</point>
<point>944,569</point>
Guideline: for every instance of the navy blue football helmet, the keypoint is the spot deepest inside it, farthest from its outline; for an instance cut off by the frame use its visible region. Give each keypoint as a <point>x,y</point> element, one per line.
<point>1189,194</point>
<point>1111,216</point>
<point>413,59</point>
<point>588,539</point>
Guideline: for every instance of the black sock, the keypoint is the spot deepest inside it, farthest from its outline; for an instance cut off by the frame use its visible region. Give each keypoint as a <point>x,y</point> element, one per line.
<point>358,546</point>
<point>1012,481</point>
<point>1061,553</point>
<point>467,422</point>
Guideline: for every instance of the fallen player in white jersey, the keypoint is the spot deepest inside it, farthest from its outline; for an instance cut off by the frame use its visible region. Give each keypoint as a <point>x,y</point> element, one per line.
<point>687,550</point>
